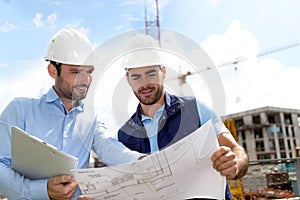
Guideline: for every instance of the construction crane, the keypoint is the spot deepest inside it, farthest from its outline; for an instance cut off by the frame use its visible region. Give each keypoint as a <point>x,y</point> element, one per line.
<point>236,186</point>
<point>152,26</point>
<point>153,29</point>
<point>152,19</point>
<point>182,77</point>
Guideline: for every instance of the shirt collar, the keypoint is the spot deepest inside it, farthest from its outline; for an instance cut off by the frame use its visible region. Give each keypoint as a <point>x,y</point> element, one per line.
<point>167,99</point>
<point>166,105</point>
<point>156,115</point>
<point>51,95</point>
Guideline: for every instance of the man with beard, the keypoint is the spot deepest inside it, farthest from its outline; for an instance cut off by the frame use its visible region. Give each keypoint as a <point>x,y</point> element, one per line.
<point>60,118</point>
<point>161,119</point>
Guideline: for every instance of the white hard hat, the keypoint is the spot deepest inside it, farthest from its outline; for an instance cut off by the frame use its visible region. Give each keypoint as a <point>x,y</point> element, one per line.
<point>141,58</point>
<point>144,52</point>
<point>69,46</point>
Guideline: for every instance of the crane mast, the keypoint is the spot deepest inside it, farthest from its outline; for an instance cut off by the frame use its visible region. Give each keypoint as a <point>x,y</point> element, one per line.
<point>152,19</point>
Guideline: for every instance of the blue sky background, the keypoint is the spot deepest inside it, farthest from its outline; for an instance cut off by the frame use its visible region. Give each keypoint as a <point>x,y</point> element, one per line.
<point>227,30</point>
<point>273,22</point>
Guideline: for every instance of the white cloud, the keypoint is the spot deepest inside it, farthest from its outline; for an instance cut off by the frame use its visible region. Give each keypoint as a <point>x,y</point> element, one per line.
<point>119,27</point>
<point>51,19</point>
<point>130,18</point>
<point>77,25</point>
<point>163,3</point>
<point>215,2</point>
<point>29,80</point>
<point>235,43</point>
<point>49,23</point>
<point>85,30</point>
<point>7,27</point>
<point>55,3</point>
<point>3,65</point>
<point>38,20</point>
<point>252,83</point>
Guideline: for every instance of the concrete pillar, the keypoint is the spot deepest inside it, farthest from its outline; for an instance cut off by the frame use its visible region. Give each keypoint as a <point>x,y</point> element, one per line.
<point>282,124</point>
<point>277,147</point>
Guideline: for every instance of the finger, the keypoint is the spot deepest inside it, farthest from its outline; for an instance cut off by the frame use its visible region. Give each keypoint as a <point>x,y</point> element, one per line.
<point>62,179</point>
<point>68,190</point>
<point>228,168</point>
<point>229,172</point>
<point>81,197</point>
<point>225,161</point>
<point>225,164</point>
<point>73,191</point>
<point>221,151</point>
<point>70,187</point>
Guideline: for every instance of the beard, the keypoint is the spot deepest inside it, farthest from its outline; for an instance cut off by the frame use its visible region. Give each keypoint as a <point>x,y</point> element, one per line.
<point>75,93</point>
<point>83,89</point>
<point>156,93</point>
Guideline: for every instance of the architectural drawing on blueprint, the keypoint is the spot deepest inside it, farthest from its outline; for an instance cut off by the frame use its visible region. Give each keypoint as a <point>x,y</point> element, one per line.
<point>180,171</point>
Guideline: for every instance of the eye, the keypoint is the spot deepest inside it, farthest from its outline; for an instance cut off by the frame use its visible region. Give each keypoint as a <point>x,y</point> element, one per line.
<point>135,77</point>
<point>75,72</point>
<point>90,71</point>
<point>152,74</point>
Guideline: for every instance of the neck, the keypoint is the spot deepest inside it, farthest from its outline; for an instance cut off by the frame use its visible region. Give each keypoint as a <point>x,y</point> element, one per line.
<point>69,103</point>
<point>150,110</point>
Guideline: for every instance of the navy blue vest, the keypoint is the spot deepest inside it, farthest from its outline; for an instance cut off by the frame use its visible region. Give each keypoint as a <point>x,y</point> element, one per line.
<point>180,118</point>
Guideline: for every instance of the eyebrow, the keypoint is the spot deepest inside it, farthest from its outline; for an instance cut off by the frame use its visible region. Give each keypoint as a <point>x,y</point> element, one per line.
<point>146,73</point>
<point>150,71</point>
<point>77,68</point>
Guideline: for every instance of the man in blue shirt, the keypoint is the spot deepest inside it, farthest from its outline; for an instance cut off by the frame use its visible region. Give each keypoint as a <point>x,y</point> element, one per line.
<point>161,119</point>
<point>61,119</point>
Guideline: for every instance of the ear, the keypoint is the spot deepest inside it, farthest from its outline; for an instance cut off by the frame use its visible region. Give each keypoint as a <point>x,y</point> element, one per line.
<point>127,78</point>
<point>52,70</point>
<point>164,71</point>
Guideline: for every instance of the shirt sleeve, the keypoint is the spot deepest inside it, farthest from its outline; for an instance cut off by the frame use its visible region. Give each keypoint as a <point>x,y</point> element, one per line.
<point>206,113</point>
<point>12,184</point>
<point>110,150</point>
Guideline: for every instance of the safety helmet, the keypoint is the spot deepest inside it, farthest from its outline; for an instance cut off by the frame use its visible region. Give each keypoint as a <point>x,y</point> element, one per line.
<point>144,52</point>
<point>141,58</point>
<point>69,46</point>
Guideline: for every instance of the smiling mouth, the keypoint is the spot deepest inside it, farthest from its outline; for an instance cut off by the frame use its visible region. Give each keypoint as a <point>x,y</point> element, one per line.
<point>81,88</point>
<point>146,92</point>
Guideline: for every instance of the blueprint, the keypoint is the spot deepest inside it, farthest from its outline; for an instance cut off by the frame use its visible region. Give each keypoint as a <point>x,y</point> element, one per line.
<point>180,171</point>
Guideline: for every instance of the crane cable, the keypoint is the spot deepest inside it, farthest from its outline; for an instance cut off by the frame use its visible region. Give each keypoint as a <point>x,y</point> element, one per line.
<point>182,77</point>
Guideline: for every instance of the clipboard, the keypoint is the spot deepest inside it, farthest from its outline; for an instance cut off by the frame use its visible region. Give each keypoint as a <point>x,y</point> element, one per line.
<point>36,159</point>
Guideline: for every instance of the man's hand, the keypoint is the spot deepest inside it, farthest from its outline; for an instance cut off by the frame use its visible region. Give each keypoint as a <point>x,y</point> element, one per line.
<point>81,197</point>
<point>61,187</point>
<point>225,162</point>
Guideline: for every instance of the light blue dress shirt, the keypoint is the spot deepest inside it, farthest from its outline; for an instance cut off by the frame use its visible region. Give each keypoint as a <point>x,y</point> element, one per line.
<point>205,114</point>
<point>151,126</point>
<point>76,132</point>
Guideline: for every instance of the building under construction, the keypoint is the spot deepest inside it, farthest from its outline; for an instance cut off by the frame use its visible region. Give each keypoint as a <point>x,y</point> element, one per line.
<point>268,132</point>
<point>271,137</point>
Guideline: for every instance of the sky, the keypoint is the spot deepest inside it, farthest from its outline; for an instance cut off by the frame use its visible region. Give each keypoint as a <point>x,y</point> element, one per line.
<point>228,31</point>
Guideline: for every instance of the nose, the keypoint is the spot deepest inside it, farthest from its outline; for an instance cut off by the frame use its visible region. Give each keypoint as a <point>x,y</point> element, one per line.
<point>144,82</point>
<point>84,78</point>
